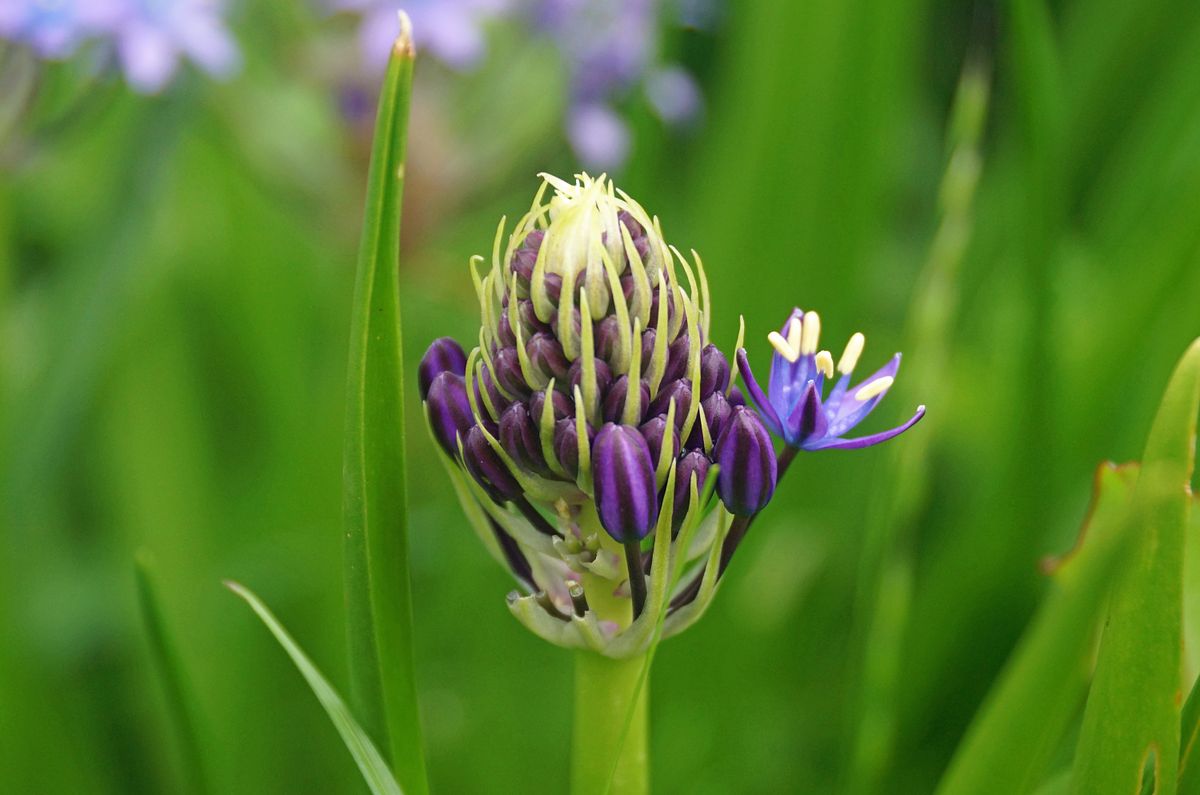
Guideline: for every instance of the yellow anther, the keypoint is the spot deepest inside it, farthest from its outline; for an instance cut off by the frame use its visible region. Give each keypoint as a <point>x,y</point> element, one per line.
<point>854,349</point>
<point>793,334</point>
<point>811,333</point>
<point>786,350</point>
<point>874,388</point>
<point>824,361</point>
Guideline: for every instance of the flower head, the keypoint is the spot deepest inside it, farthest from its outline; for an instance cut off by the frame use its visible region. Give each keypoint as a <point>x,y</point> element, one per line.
<point>796,407</point>
<point>585,422</point>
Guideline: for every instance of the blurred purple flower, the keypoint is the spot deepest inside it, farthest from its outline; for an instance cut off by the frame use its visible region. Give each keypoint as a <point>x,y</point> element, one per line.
<point>452,30</point>
<point>55,28</point>
<point>608,47</point>
<point>150,36</point>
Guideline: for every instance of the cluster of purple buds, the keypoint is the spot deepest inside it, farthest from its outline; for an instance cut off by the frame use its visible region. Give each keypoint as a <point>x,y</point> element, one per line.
<point>585,425</point>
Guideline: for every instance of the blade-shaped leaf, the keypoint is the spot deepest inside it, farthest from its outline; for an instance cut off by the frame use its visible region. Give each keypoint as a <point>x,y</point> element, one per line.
<point>1189,723</point>
<point>374,770</point>
<point>180,708</point>
<point>378,591</point>
<point>1134,704</point>
<point>1028,710</point>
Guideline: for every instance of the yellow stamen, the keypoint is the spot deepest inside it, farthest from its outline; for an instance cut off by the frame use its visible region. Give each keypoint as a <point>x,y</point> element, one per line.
<point>786,350</point>
<point>824,361</point>
<point>854,349</point>
<point>811,333</point>
<point>876,387</point>
<point>793,334</point>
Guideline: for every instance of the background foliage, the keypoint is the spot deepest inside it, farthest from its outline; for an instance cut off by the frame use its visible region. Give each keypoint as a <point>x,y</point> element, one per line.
<point>176,276</point>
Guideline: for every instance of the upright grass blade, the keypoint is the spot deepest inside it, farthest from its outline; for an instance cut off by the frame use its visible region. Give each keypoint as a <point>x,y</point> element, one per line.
<point>180,707</point>
<point>374,770</point>
<point>378,591</point>
<point>1133,708</point>
<point>1028,710</point>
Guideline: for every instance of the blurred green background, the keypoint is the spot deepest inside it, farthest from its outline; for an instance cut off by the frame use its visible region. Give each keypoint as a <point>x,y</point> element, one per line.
<point>176,275</point>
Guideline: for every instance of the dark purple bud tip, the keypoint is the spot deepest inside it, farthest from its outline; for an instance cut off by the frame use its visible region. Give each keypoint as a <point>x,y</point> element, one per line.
<point>508,372</point>
<point>654,430</point>
<point>546,354</point>
<point>443,356</point>
<point>449,410</point>
<point>693,465</point>
<point>648,337</point>
<point>560,405</point>
<point>677,359</point>
<point>735,397</point>
<point>714,371</point>
<point>623,475</point>
<point>519,436</point>
<point>553,287</point>
<point>716,412</point>
<point>608,338</point>
<point>603,375</point>
<point>747,460</point>
<point>614,401</point>
<point>679,390</point>
<point>486,467</point>
<point>566,446</point>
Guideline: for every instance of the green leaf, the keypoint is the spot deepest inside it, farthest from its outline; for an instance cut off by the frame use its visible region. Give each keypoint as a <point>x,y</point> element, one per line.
<point>1133,707</point>
<point>180,707</point>
<point>374,770</point>
<point>1028,710</point>
<point>1189,723</point>
<point>378,591</point>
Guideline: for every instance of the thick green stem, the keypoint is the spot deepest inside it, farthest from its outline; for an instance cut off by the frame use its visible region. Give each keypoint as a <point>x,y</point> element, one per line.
<point>603,689</point>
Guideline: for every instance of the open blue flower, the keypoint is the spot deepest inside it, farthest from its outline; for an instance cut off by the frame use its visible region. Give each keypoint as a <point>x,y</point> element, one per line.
<point>795,406</point>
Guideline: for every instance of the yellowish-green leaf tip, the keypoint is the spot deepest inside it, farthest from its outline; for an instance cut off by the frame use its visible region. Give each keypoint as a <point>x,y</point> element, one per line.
<point>404,42</point>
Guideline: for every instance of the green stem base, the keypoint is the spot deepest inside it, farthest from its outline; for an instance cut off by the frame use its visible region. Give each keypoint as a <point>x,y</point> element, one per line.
<point>603,690</point>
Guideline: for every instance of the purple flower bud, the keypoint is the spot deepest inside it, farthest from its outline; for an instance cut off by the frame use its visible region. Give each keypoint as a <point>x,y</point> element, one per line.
<point>486,467</point>
<point>635,229</point>
<point>529,319</point>
<point>546,354</point>
<point>735,397</point>
<point>614,401</point>
<point>508,372</point>
<point>627,285</point>
<point>608,338</point>
<point>449,410</point>
<point>485,375</point>
<point>648,337</point>
<point>444,355</point>
<point>566,445</point>
<point>623,474</point>
<point>654,430</point>
<point>562,406</point>
<point>654,304</point>
<point>519,436</point>
<point>603,375</point>
<point>747,460</point>
<point>714,371</point>
<point>681,391</point>
<point>525,257</point>
<point>716,412</point>
<point>553,287</point>
<point>504,331</point>
<point>693,464</point>
<point>677,359</point>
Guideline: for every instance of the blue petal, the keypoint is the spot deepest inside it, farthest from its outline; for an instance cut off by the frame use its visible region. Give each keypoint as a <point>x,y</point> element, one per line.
<point>851,412</point>
<point>834,443</point>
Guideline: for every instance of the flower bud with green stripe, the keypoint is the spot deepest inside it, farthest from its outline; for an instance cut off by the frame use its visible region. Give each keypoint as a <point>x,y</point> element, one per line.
<point>595,403</point>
